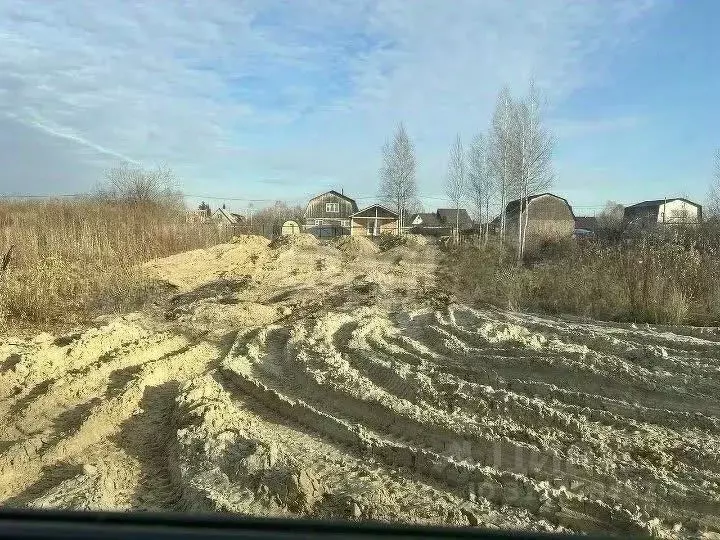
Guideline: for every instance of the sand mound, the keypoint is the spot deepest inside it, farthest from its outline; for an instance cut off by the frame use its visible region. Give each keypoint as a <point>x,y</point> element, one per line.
<point>356,245</point>
<point>267,386</point>
<point>415,240</point>
<point>401,254</point>
<point>295,240</point>
<point>200,266</point>
<point>252,241</point>
<point>248,283</point>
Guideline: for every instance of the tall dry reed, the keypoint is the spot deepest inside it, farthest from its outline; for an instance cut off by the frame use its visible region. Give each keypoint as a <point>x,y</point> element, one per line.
<point>73,257</point>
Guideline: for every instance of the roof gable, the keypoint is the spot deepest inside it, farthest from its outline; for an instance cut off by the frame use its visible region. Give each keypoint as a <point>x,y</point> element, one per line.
<point>222,213</point>
<point>427,219</point>
<point>381,212</point>
<point>513,206</point>
<point>336,194</point>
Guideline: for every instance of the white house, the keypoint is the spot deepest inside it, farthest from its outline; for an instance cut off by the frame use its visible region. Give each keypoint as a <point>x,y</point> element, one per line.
<point>670,211</point>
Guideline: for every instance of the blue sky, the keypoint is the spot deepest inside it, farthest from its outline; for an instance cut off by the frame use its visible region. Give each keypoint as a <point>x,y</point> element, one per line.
<point>269,99</point>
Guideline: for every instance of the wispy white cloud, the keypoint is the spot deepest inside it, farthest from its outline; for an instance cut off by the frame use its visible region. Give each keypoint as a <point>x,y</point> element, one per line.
<point>230,92</point>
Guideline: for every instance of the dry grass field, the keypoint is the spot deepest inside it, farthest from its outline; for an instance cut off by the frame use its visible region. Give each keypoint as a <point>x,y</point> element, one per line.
<point>72,258</point>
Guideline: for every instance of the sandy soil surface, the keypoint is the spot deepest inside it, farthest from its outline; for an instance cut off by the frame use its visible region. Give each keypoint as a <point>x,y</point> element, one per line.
<point>299,379</point>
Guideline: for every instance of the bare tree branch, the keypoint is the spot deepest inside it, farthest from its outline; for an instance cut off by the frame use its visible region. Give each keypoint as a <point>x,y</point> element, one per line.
<point>714,193</point>
<point>534,155</point>
<point>132,184</point>
<point>455,181</point>
<point>501,152</point>
<point>397,173</point>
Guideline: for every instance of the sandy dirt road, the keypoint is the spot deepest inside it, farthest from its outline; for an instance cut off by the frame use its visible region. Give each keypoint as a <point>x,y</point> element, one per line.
<point>299,379</point>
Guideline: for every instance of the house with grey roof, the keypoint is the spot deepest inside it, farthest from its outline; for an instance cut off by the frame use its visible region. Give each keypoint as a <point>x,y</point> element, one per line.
<point>670,211</point>
<point>456,217</point>
<point>440,223</point>
<point>225,218</point>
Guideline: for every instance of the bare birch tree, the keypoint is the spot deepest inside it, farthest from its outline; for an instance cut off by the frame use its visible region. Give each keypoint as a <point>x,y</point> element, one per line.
<point>501,152</point>
<point>455,182</point>
<point>480,182</point>
<point>714,194</point>
<point>532,161</point>
<point>397,173</point>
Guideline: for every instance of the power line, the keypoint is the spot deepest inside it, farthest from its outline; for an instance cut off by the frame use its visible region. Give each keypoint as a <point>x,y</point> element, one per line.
<point>241,199</point>
<point>35,196</point>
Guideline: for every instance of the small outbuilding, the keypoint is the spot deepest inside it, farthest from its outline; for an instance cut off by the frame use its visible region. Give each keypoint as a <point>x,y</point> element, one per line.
<point>374,221</point>
<point>289,228</point>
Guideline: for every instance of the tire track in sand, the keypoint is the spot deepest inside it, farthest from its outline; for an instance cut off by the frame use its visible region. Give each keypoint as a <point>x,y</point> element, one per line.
<point>331,365</point>
<point>132,425</point>
<point>498,418</point>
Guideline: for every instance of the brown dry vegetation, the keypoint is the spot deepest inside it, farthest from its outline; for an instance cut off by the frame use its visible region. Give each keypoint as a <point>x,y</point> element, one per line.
<point>73,257</point>
<point>651,279</point>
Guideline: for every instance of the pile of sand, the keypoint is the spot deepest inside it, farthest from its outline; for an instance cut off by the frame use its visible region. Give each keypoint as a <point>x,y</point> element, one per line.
<point>194,268</point>
<point>295,240</point>
<point>356,245</point>
<point>415,240</point>
<point>248,283</point>
<point>251,241</point>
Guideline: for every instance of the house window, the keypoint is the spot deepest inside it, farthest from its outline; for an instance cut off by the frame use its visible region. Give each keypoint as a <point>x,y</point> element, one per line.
<point>345,222</point>
<point>371,228</point>
<point>332,207</point>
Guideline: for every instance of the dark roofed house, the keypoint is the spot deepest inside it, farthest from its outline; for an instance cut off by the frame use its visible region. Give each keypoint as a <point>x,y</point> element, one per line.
<point>225,218</point>
<point>425,219</point>
<point>670,211</point>
<point>585,226</point>
<point>588,223</point>
<point>328,214</point>
<point>450,217</point>
<point>440,223</point>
